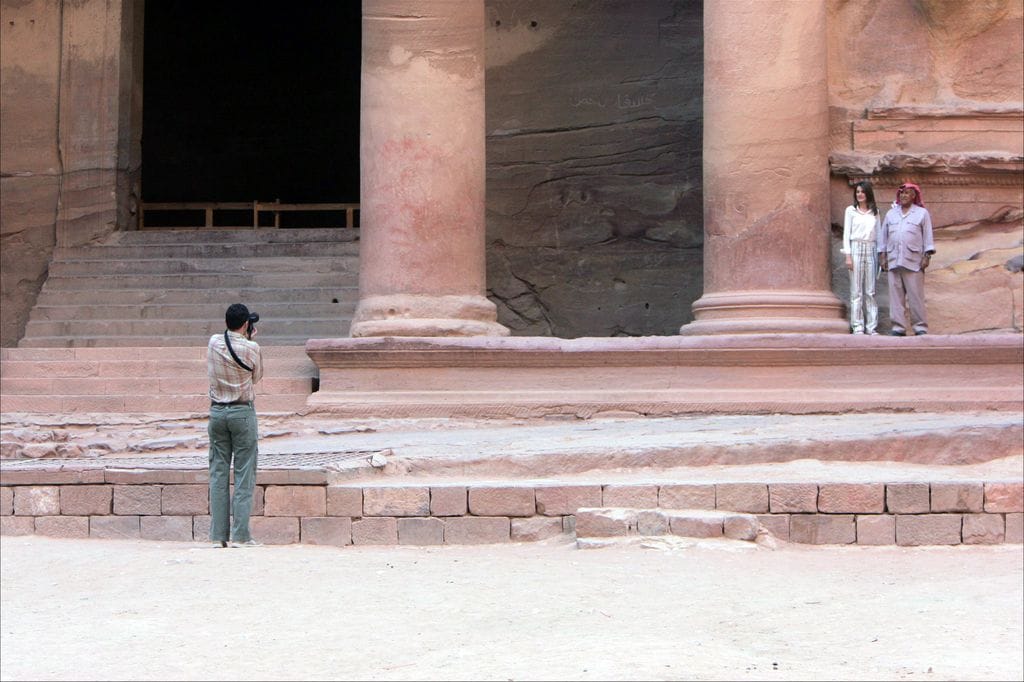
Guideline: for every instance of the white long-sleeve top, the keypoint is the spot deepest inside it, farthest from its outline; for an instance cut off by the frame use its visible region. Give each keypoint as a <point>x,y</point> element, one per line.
<point>862,227</point>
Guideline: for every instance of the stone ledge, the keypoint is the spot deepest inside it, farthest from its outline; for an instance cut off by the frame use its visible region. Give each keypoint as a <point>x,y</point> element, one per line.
<point>36,509</point>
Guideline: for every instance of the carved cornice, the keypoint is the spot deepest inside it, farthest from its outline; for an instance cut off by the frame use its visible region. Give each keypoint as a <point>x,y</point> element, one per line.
<point>938,179</point>
<point>1008,110</point>
<point>958,169</point>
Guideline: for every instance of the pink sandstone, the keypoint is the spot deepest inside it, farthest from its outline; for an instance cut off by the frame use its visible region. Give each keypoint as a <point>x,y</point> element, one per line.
<point>907,498</point>
<point>857,498</point>
<point>957,497</point>
<point>294,500</point>
<point>448,500</point>
<point>876,529</point>
<point>928,529</point>
<point>326,530</point>
<point>396,501</point>
<point>420,531</point>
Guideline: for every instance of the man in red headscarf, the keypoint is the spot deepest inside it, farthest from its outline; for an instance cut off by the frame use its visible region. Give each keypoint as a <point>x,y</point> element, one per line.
<point>905,248</point>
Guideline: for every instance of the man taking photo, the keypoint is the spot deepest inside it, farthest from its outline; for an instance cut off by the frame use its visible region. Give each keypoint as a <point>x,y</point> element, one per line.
<point>234,364</point>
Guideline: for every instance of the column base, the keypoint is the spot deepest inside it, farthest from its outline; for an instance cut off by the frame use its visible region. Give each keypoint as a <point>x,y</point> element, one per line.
<point>767,312</point>
<point>415,315</point>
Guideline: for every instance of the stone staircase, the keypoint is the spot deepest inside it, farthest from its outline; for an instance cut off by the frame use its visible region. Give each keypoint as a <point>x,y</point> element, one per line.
<point>170,287</point>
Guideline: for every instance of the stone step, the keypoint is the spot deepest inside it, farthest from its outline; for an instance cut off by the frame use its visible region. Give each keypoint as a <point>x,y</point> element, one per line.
<point>693,523</point>
<point>222,296</point>
<point>198,329</point>
<point>209,311</point>
<point>208,250</point>
<point>227,266</point>
<point>232,236</point>
<point>282,280</point>
<point>148,341</point>
<point>295,502</point>
<point>136,379</point>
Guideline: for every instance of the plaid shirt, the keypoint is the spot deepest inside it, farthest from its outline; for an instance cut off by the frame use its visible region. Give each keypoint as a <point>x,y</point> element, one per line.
<point>228,381</point>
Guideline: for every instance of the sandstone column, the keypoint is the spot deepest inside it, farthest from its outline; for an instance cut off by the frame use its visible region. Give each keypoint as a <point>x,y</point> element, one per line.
<point>422,260</point>
<point>766,208</point>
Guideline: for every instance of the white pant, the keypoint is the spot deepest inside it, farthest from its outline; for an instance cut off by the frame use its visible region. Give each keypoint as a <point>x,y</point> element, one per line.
<point>862,287</point>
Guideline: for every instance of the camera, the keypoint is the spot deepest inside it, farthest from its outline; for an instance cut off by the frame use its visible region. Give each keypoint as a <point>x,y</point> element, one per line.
<point>253,319</point>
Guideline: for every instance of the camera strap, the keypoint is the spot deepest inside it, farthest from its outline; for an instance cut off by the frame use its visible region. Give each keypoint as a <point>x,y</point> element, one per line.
<point>234,355</point>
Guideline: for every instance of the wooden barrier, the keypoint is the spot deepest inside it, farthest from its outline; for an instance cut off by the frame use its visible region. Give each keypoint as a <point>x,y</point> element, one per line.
<point>254,207</point>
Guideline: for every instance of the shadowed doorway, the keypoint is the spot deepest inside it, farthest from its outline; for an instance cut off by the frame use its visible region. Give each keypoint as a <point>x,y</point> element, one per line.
<point>251,101</point>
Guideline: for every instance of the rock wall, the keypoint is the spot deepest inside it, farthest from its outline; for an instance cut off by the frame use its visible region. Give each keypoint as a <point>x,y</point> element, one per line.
<point>594,216</point>
<point>933,92</point>
<point>30,162</point>
<point>71,147</point>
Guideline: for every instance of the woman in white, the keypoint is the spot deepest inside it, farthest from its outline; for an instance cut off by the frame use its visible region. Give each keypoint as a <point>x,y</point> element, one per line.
<point>860,244</point>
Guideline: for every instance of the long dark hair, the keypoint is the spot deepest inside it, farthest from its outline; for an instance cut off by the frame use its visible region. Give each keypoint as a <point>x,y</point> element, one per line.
<point>869,193</point>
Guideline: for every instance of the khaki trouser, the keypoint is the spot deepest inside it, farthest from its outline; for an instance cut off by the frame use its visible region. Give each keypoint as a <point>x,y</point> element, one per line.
<point>906,289</point>
<point>233,440</point>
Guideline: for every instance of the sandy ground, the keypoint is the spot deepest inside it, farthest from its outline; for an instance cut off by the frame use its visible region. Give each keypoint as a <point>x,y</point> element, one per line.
<point>99,609</point>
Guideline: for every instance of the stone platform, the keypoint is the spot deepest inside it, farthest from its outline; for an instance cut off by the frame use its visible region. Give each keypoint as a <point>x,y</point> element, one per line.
<point>879,478</point>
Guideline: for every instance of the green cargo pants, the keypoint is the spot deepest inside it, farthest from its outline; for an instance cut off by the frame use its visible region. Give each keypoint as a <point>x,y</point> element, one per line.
<point>233,431</point>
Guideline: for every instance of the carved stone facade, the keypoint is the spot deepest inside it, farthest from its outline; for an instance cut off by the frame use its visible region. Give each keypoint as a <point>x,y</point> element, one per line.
<point>596,169</point>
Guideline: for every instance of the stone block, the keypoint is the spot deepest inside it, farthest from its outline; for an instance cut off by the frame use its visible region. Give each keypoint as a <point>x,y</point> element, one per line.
<point>957,497</point>
<point>17,525</point>
<point>822,529</point>
<point>201,527</point>
<point>687,496</point>
<point>477,530</point>
<point>535,528</point>
<point>37,500</point>
<point>651,522</point>
<point>421,531</point>
<point>631,496</point>
<point>775,524</point>
<point>344,501</point>
<point>502,501</point>
<point>184,500</point>
<point>851,498</point>
<point>876,529</point>
<point>63,526</point>
<point>115,527</point>
<point>1006,498</point>
<point>928,529</point>
<point>6,500</point>
<point>792,497</point>
<point>449,500</point>
<point>85,500</point>
<point>696,525</point>
<point>275,530</point>
<point>294,500</point>
<point>740,527</point>
<point>177,528</point>
<point>326,530</point>
<point>559,500</point>
<point>257,499</point>
<point>137,500</point>
<point>375,530</point>
<point>742,497</point>
<point>907,498</point>
<point>1014,528</point>
<point>978,529</point>
<point>396,501</point>
<point>604,523</point>
<point>569,524</point>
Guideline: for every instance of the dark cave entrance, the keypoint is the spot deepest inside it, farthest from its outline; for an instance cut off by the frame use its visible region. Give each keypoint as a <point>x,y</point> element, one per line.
<point>253,100</point>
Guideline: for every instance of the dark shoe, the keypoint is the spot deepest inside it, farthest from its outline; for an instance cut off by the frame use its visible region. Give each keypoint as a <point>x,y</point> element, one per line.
<point>921,333</point>
<point>896,333</point>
